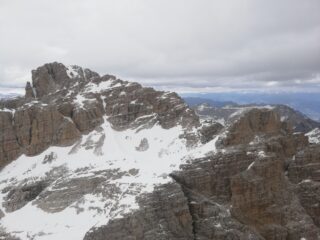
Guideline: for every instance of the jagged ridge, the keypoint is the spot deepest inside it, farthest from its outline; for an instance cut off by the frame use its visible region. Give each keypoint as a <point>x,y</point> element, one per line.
<point>63,103</point>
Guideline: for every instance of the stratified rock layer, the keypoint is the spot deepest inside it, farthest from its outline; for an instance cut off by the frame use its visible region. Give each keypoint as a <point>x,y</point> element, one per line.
<point>163,214</point>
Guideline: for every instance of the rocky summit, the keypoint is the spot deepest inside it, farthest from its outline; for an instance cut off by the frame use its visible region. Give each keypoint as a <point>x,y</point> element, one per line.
<point>84,156</point>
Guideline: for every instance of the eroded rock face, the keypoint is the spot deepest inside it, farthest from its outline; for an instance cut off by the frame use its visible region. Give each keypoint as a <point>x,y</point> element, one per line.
<point>9,146</point>
<point>52,77</point>
<point>206,183</point>
<point>39,127</point>
<point>132,105</point>
<point>20,196</point>
<point>304,170</point>
<point>49,78</point>
<point>209,130</point>
<point>88,119</point>
<point>163,214</point>
<point>264,199</point>
<point>305,165</point>
<point>31,130</point>
<point>211,176</point>
<point>254,122</point>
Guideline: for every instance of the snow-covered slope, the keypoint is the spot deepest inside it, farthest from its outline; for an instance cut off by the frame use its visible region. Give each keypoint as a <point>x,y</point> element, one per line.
<point>112,159</point>
<point>64,191</point>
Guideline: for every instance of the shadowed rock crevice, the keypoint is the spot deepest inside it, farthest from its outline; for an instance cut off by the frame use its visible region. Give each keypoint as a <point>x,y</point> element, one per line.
<point>186,192</point>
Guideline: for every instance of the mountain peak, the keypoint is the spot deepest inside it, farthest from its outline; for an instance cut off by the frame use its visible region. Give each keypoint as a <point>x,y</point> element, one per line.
<point>79,100</point>
<point>54,76</point>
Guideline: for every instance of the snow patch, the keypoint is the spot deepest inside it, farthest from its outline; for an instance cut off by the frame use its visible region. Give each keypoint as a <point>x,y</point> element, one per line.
<point>314,136</point>
<point>250,166</point>
<point>72,72</point>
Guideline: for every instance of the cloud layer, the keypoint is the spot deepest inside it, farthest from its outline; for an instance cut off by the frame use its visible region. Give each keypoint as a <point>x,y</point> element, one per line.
<point>184,45</point>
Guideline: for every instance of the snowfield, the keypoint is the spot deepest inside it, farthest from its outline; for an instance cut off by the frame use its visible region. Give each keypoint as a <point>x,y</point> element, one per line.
<point>139,160</point>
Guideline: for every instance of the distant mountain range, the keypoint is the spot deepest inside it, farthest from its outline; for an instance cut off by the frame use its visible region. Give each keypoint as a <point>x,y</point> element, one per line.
<point>223,112</point>
<point>307,103</point>
<point>7,96</point>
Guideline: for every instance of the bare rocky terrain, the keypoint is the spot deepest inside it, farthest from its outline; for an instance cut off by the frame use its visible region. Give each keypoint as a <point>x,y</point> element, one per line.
<point>84,156</point>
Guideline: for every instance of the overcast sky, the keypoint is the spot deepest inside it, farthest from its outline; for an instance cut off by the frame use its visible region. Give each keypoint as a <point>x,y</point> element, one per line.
<point>182,45</point>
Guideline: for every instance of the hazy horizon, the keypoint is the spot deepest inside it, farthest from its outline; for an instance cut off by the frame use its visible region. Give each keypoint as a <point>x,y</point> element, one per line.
<point>184,46</point>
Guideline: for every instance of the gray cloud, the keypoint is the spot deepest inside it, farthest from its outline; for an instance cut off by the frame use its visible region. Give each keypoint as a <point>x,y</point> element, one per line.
<point>183,45</point>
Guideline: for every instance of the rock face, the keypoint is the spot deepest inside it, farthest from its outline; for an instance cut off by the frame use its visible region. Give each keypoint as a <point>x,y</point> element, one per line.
<point>9,147</point>
<point>164,214</point>
<point>113,160</point>
<point>206,183</point>
<point>30,130</point>
<point>209,130</point>
<point>304,171</point>
<point>19,197</point>
<point>262,198</point>
<point>256,121</point>
<point>52,77</point>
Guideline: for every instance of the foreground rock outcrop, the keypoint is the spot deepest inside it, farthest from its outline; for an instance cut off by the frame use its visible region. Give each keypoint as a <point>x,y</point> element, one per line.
<point>99,158</point>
